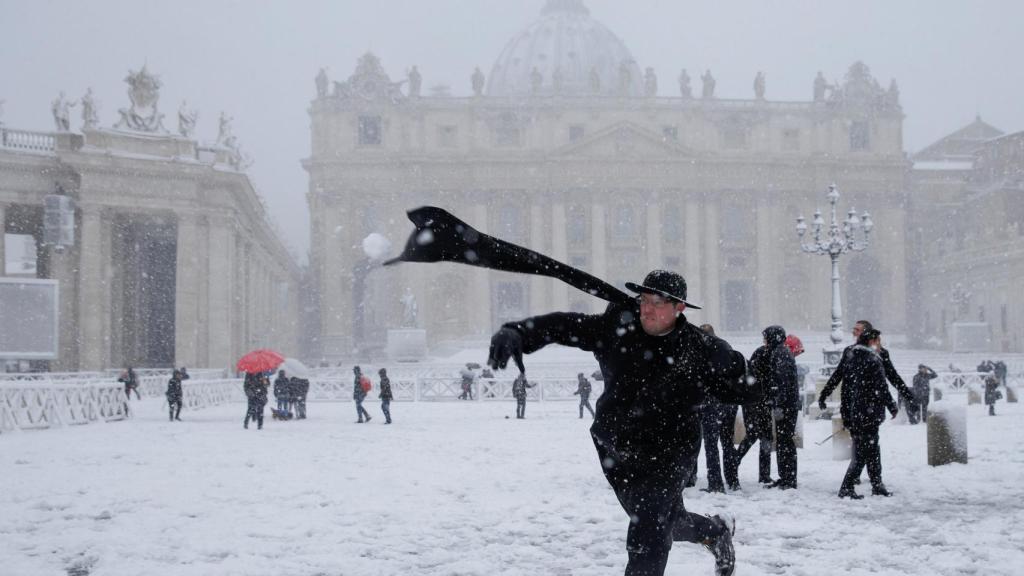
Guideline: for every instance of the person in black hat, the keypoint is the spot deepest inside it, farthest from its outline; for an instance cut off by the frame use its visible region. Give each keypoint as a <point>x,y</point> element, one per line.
<point>657,368</point>
<point>863,401</point>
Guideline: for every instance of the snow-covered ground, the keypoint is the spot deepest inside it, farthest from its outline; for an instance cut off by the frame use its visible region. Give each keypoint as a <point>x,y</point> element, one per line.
<point>459,489</point>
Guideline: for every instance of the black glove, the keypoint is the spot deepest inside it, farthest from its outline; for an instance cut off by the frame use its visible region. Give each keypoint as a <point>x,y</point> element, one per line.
<point>894,412</point>
<point>821,404</point>
<point>506,343</point>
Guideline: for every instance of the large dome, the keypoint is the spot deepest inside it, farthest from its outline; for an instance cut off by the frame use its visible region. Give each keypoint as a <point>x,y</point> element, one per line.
<point>565,39</point>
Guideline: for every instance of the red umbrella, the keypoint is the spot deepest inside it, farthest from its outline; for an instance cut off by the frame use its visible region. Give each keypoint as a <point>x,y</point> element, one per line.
<point>262,360</point>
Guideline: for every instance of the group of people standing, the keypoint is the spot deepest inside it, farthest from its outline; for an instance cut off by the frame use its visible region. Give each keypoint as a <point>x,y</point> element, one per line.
<point>290,393</point>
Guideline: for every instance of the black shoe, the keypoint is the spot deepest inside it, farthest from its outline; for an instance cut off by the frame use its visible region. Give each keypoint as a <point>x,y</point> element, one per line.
<point>735,486</point>
<point>783,485</point>
<point>766,481</point>
<point>178,419</point>
<point>856,481</point>
<point>715,489</point>
<point>721,545</point>
<point>368,418</point>
<point>360,421</point>
<point>849,493</point>
<point>880,491</point>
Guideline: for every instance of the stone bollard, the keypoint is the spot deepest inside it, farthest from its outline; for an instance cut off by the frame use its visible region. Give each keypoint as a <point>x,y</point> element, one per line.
<point>947,433</point>
<point>842,443</point>
<point>1011,395</point>
<point>798,436</point>
<point>973,397</point>
<point>936,394</point>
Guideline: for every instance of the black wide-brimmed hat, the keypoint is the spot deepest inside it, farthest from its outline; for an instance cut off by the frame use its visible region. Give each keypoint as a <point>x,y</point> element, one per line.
<point>664,283</point>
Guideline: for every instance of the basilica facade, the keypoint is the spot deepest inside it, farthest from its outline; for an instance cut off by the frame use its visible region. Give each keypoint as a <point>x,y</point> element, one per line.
<point>567,146</point>
<point>168,257</point>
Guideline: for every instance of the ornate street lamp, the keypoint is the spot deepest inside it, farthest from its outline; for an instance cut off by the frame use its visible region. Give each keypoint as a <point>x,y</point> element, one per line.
<point>841,238</point>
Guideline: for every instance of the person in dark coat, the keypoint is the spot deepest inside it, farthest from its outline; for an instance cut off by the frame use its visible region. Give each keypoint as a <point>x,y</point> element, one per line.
<point>300,389</point>
<point>862,404</point>
<point>777,370</point>
<point>519,387</point>
<point>758,423</point>
<point>992,393</point>
<point>255,389</point>
<point>174,395</point>
<point>890,371</point>
<point>657,368</point>
<point>385,395</point>
<point>717,426</point>
<point>131,382</point>
<point>282,391</point>
<point>583,389</point>
<point>922,391</point>
<point>359,394</point>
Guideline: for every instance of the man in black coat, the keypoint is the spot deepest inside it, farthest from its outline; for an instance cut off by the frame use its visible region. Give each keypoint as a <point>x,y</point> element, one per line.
<point>657,368</point>
<point>890,371</point>
<point>583,389</point>
<point>174,395</point>
<point>923,391</point>
<point>255,388</point>
<point>776,369</point>
<point>717,425</point>
<point>863,401</point>
<point>757,426</point>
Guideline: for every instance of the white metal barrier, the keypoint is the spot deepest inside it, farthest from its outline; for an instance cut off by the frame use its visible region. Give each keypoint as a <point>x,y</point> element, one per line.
<point>37,404</point>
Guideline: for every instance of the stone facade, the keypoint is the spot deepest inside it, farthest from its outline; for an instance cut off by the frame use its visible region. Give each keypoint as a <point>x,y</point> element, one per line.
<point>173,261</point>
<point>968,217</point>
<point>613,182</point>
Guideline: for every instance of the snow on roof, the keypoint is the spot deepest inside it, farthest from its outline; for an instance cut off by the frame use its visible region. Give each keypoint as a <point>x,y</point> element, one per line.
<point>943,165</point>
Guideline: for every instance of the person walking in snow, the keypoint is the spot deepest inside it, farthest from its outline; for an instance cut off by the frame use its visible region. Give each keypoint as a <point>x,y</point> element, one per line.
<point>255,388</point>
<point>300,389</point>
<point>519,386</point>
<point>992,393</point>
<point>174,395</point>
<point>863,400</point>
<point>360,388</point>
<point>385,395</point>
<point>922,391</point>
<point>657,369</point>
<point>583,389</point>
<point>468,377</point>
<point>131,383</point>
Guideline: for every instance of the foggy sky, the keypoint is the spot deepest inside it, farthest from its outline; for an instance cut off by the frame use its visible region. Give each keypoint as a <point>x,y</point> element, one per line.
<point>256,59</point>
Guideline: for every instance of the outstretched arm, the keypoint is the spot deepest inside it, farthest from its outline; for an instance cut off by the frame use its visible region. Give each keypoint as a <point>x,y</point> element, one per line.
<point>526,336</point>
<point>895,379</point>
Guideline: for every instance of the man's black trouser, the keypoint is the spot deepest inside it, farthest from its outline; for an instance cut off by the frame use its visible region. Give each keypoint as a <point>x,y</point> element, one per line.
<point>785,450</point>
<point>865,453</point>
<point>757,423</point>
<point>585,403</point>
<point>717,426</point>
<point>171,405</point>
<point>650,490</point>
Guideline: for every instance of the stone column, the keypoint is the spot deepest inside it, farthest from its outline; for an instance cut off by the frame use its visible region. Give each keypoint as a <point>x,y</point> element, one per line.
<point>480,281</point>
<point>655,259</point>
<point>560,252</point>
<point>712,294</point>
<point>186,292</point>
<point>63,269</point>
<point>538,297</point>
<point>766,286</point>
<point>222,287</point>
<point>598,249</point>
<point>93,292</point>
<point>3,230</point>
<point>692,266</point>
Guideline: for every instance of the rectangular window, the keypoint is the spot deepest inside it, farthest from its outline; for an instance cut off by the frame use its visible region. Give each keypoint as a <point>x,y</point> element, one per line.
<point>448,136</point>
<point>507,132</point>
<point>791,140</point>
<point>624,226</point>
<point>672,225</point>
<point>734,137</point>
<point>670,133</point>
<point>860,135</point>
<point>369,131</point>
<point>576,132</point>
<point>576,226</point>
